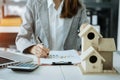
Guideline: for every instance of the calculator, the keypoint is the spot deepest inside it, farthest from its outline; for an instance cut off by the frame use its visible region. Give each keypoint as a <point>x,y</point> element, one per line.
<point>23,67</point>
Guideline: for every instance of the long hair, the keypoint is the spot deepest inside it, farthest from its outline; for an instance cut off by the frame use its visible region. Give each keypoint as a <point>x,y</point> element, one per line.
<point>70,8</point>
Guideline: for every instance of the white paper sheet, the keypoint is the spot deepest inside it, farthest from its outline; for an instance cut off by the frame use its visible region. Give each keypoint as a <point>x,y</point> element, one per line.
<point>62,56</point>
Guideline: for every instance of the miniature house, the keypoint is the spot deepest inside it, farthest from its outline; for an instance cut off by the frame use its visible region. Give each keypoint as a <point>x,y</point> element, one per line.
<point>89,36</point>
<point>101,47</point>
<point>92,61</point>
<point>106,48</point>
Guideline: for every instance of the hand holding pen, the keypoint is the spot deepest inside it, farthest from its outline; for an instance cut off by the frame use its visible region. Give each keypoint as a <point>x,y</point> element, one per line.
<point>40,51</point>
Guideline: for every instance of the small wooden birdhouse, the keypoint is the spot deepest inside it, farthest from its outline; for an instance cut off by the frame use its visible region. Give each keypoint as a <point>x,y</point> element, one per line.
<point>92,61</point>
<point>106,48</point>
<point>89,37</point>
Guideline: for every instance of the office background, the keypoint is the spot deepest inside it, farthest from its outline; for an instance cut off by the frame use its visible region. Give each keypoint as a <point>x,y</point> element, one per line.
<point>118,37</point>
<point>103,14</point>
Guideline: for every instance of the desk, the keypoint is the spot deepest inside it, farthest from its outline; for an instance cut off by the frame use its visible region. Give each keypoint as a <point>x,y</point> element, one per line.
<point>55,73</point>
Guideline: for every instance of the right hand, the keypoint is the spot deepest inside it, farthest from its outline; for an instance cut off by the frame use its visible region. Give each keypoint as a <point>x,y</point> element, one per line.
<point>40,51</point>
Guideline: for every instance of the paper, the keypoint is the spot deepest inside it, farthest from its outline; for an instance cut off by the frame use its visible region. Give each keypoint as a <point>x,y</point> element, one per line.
<point>62,56</point>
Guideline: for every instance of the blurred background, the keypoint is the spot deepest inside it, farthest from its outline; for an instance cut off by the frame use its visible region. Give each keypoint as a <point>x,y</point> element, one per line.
<point>10,21</point>
<point>103,14</point>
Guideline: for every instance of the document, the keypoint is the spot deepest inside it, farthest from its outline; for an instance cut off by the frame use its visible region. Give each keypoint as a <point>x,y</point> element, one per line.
<point>66,56</point>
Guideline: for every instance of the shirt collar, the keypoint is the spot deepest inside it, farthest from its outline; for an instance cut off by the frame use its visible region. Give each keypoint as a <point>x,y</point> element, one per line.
<point>50,2</point>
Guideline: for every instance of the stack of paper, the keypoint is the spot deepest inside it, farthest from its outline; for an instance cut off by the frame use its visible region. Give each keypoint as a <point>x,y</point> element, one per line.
<point>62,56</point>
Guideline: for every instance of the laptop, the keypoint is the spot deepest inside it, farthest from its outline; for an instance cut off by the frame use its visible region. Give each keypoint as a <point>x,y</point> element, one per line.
<point>7,58</point>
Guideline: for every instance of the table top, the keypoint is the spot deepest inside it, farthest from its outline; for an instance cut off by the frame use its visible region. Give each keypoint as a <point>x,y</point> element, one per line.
<point>55,73</point>
<point>67,72</point>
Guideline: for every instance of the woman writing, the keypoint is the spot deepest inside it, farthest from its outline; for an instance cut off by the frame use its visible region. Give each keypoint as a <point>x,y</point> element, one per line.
<point>55,23</point>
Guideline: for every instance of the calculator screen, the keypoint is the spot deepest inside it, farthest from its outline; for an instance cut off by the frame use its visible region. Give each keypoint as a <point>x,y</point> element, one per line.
<point>4,60</point>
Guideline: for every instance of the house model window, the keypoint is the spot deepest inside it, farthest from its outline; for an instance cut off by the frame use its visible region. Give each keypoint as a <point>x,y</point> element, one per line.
<point>93,59</point>
<point>91,35</point>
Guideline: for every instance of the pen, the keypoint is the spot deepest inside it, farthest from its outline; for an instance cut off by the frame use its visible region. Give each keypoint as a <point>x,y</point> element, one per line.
<point>40,42</point>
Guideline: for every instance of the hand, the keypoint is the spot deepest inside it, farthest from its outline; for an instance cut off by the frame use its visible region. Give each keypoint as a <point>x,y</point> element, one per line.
<point>40,51</point>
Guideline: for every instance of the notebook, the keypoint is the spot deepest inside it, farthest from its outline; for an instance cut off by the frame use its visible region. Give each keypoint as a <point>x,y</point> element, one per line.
<point>7,58</point>
<point>62,57</point>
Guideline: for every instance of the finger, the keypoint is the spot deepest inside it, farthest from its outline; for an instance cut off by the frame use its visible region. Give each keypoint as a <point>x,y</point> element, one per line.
<point>43,48</point>
<point>37,51</point>
<point>41,53</point>
<point>38,54</point>
<point>46,50</point>
<point>44,54</point>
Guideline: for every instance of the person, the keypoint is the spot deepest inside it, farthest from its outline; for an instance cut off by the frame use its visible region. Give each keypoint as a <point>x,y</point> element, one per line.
<point>51,25</point>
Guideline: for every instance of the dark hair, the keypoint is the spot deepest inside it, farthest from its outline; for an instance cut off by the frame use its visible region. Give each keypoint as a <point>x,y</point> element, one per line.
<point>70,8</point>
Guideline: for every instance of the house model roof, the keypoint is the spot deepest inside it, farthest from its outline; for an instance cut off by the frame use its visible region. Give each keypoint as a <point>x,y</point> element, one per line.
<point>88,52</point>
<point>87,28</point>
<point>107,44</point>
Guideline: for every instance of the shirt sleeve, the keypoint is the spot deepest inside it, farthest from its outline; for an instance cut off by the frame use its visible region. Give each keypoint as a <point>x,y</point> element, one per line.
<point>25,37</point>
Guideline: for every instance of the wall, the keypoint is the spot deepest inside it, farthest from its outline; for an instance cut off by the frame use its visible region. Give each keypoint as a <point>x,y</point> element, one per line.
<point>118,40</point>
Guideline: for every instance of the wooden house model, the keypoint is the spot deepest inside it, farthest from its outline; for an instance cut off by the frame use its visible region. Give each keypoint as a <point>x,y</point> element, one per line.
<point>92,61</point>
<point>102,46</point>
<point>106,49</point>
<point>89,36</point>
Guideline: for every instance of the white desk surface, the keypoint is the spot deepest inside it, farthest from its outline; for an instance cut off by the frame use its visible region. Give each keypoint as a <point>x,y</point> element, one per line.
<point>55,73</point>
<point>42,73</point>
<point>70,71</point>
